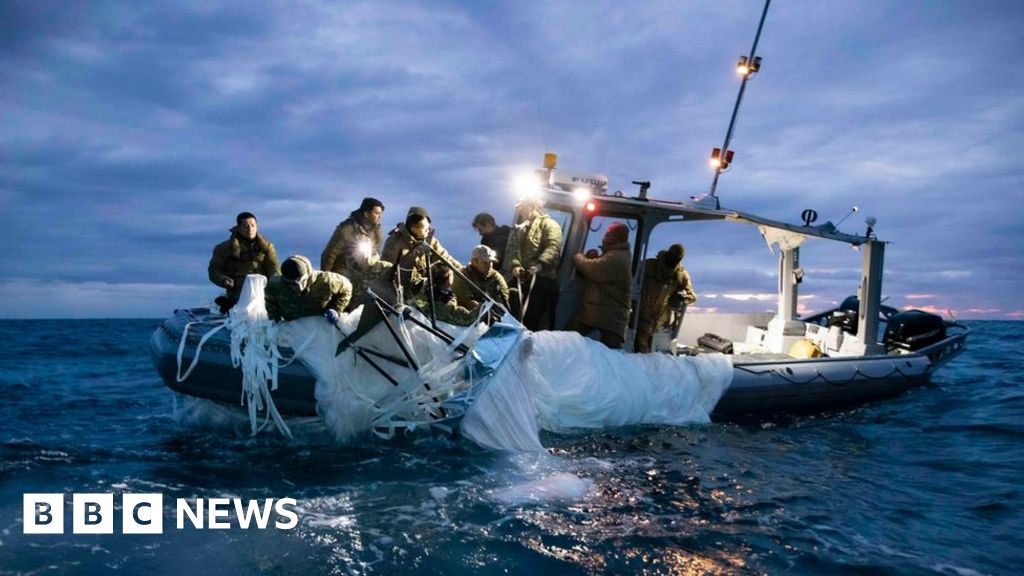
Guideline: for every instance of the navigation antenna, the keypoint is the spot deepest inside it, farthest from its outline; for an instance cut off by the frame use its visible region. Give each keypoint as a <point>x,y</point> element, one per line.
<point>746,67</point>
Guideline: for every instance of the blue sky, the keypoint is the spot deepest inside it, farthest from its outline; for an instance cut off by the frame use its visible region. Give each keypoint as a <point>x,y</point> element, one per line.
<point>131,134</point>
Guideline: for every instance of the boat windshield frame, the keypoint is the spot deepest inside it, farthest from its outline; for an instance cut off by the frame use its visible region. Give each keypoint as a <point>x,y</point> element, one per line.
<point>649,213</point>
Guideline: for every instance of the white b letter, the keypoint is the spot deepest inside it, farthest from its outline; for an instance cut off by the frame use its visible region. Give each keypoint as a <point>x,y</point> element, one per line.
<point>92,514</point>
<point>42,514</point>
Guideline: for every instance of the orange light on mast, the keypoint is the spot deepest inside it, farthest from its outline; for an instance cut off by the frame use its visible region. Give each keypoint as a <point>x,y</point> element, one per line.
<point>745,66</point>
<point>741,66</point>
<point>721,161</point>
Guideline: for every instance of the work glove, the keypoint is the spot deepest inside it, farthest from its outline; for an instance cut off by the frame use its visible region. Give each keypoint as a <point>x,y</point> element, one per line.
<point>332,317</point>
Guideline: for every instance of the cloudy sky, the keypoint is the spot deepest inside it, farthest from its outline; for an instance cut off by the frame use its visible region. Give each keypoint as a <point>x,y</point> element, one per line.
<point>131,134</point>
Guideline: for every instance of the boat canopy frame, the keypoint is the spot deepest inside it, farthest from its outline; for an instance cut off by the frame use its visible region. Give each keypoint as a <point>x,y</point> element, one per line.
<point>649,213</point>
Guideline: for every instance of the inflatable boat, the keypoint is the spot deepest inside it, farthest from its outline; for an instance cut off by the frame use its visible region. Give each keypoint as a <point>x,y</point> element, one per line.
<point>859,351</point>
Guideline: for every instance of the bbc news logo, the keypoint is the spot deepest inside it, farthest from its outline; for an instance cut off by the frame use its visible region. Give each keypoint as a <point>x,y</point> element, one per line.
<point>144,513</point>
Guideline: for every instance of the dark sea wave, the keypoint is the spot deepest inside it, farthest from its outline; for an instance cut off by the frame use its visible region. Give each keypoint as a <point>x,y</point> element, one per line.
<point>926,483</point>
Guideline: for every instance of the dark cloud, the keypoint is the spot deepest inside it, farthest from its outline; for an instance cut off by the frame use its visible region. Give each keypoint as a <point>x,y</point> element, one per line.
<point>132,133</point>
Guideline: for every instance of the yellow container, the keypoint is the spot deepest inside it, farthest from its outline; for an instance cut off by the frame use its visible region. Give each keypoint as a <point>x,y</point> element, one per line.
<point>805,349</point>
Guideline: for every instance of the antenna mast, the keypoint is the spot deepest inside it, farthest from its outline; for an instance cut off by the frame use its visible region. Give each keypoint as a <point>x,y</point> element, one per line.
<point>747,66</point>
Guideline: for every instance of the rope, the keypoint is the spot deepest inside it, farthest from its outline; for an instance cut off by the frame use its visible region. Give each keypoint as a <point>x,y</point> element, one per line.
<point>295,351</point>
<point>526,302</point>
<point>427,393</point>
<point>819,376</point>
<point>220,324</point>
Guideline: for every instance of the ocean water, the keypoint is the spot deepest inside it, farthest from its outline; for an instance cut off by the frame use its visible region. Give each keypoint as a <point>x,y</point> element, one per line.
<point>931,482</point>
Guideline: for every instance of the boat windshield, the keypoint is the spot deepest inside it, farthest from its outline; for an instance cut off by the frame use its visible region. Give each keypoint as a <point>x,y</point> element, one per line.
<point>564,220</point>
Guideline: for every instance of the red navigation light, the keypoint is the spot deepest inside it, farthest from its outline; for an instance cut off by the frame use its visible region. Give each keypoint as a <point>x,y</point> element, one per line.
<point>590,206</point>
<point>716,157</point>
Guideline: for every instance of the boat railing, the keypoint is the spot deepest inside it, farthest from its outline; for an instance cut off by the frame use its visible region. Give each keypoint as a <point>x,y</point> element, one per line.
<point>198,315</point>
<point>949,347</point>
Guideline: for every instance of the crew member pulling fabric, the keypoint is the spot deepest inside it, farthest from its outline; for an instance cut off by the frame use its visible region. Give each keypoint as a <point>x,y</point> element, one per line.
<point>534,254</point>
<point>405,239</point>
<point>446,307</point>
<point>301,291</point>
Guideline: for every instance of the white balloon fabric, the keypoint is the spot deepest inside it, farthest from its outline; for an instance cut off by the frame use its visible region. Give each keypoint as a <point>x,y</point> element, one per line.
<point>561,381</point>
<point>501,396</point>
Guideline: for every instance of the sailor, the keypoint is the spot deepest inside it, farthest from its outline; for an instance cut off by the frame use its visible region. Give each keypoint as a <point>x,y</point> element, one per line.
<point>446,306</point>
<point>301,291</point>
<point>666,293</point>
<point>480,271</point>
<point>408,248</point>
<point>492,235</point>
<point>404,239</point>
<point>605,305</point>
<point>513,240</point>
<point>354,248</point>
<point>533,253</point>
<point>245,252</point>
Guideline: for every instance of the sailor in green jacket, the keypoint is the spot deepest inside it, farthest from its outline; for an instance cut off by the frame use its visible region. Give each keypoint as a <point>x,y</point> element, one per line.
<point>534,252</point>
<point>407,249</point>
<point>445,305</point>
<point>354,249</point>
<point>404,240</point>
<point>246,252</point>
<point>609,278</point>
<point>301,291</point>
<point>480,271</point>
<point>666,293</point>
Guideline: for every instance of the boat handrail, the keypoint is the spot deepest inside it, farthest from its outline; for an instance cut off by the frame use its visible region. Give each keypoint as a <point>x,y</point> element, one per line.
<point>949,347</point>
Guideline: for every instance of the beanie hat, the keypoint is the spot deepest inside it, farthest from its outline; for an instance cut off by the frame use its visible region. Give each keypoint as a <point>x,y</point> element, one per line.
<point>293,269</point>
<point>415,215</point>
<point>418,211</point>
<point>617,233</point>
<point>673,256</point>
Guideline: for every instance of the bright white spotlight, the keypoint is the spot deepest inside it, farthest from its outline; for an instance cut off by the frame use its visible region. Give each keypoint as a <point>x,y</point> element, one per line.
<point>365,249</point>
<point>527,186</point>
<point>581,195</point>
